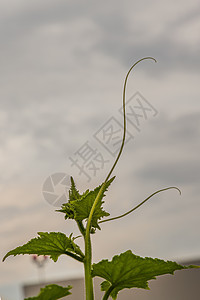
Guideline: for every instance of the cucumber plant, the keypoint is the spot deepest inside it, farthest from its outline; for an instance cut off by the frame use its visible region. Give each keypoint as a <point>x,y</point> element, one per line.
<point>126,270</point>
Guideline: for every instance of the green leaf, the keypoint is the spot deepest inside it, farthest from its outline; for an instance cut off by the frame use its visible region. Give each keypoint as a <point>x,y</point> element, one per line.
<point>128,270</point>
<point>53,244</point>
<point>73,192</point>
<point>52,292</point>
<point>80,208</point>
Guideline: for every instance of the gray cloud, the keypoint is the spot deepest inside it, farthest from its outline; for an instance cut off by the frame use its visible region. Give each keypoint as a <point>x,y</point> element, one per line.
<point>60,63</point>
<point>116,34</point>
<point>174,173</point>
<point>176,160</point>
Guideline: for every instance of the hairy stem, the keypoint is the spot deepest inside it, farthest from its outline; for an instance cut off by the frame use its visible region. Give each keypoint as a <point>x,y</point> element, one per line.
<point>88,250</point>
<point>140,204</point>
<point>87,266</point>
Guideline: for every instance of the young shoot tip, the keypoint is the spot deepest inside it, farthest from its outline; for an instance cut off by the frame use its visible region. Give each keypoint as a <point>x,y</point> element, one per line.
<point>149,57</point>
<point>178,190</point>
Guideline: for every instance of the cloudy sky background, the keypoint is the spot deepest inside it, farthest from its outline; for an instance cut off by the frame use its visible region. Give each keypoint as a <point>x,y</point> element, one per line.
<point>63,65</point>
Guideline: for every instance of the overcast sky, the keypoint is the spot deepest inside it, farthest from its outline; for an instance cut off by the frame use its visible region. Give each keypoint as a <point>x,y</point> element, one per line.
<point>63,65</point>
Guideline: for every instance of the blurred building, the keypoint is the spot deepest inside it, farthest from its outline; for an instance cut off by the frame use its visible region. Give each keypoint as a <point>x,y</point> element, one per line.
<point>184,285</point>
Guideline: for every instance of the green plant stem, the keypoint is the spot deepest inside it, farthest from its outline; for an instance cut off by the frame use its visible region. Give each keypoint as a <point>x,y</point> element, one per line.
<point>81,227</point>
<point>87,266</point>
<point>140,204</point>
<point>124,114</point>
<point>88,248</point>
<point>108,292</point>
